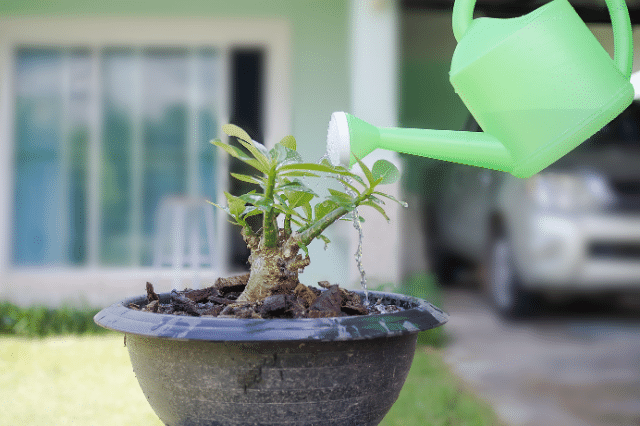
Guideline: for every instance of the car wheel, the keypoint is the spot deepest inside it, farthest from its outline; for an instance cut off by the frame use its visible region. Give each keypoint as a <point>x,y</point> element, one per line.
<point>503,284</point>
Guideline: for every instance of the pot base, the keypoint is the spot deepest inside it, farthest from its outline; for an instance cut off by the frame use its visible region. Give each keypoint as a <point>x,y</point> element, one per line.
<point>342,371</point>
<point>282,383</point>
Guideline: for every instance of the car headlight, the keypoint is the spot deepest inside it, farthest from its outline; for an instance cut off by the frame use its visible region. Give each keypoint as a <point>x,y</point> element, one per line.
<point>570,192</point>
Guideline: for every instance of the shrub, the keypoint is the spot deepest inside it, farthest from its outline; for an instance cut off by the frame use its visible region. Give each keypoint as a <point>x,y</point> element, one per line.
<point>40,321</point>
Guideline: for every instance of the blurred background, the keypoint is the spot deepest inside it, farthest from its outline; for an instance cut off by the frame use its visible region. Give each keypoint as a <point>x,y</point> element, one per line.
<point>107,109</point>
<point>107,112</point>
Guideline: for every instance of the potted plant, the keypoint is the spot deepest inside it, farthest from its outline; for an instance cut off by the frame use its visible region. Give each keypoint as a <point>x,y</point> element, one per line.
<point>264,349</point>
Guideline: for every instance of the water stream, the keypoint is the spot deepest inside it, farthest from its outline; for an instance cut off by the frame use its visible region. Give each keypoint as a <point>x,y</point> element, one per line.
<point>358,255</point>
<point>358,226</point>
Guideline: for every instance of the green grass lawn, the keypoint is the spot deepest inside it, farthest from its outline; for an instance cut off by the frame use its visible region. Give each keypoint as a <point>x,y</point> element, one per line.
<point>88,380</point>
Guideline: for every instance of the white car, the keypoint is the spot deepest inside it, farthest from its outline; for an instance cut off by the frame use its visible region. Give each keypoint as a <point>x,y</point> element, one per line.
<point>573,228</point>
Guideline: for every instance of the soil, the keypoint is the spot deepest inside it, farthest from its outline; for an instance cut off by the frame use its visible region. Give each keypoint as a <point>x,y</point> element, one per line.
<point>219,300</point>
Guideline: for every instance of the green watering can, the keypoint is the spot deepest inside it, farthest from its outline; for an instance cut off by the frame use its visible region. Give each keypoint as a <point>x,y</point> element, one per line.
<point>538,85</point>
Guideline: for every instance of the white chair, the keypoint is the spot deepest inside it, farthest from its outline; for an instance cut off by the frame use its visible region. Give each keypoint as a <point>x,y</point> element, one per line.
<point>184,237</point>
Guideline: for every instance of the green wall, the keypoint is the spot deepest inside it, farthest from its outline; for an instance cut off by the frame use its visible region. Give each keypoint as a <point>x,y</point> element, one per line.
<point>320,31</point>
<point>428,100</point>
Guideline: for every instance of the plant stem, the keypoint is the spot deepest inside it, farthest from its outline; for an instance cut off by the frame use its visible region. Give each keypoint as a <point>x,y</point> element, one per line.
<point>318,227</point>
<point>287,225</point>
<point>269,225</point>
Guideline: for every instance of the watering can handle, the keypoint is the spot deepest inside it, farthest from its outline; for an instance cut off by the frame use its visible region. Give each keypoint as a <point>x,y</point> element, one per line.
<point>620,22</point>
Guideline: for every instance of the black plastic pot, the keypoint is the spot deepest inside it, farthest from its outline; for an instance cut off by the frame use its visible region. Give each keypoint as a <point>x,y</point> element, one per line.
<point>293,372</point>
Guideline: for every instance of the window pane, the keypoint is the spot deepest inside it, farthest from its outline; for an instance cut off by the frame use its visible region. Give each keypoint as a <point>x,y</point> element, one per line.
<point>52,92</point>
<point>38,197</point>
<point>208,86</point>
<point>118,91</point>
<point>165,88</point>
<point>79,104</point>
<point>158,109</point>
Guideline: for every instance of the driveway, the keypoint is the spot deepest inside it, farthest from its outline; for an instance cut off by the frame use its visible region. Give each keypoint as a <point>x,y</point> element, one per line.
<point>565,369</point>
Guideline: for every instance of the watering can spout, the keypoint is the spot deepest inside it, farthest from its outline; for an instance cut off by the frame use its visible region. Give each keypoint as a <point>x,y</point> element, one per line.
<point>350,137</point>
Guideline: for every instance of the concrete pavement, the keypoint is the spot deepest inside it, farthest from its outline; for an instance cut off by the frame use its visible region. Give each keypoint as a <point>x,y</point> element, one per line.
<point>564,371</point>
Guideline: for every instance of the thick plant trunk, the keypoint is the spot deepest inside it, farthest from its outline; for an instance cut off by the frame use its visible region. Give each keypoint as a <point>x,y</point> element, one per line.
<point>272,273</point>
<point>265,278</point>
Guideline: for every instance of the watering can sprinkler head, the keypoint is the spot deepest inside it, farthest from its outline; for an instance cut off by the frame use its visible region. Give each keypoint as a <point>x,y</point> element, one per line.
<point>349,137</point>
<point>538,85</point>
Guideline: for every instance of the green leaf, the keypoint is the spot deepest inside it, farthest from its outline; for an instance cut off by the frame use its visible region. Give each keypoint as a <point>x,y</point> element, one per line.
<point>298,198</point>
<point>298,174</point>
<point>231,150</point>
<point>307,167</point>
<point>263,149</point>
<point>297,222</point>
<point>376,200</point>
<point>347,184</point>
<point>278,153</point>
<point>257,154</point>
<point>257,165</point>
<point>326,241</point>
<point>356,178</point>
<point>239,154</point>
<point>341,170</point>
<point>308,211</point>
<point>341,198</point>
<point>249,211</point>
<point>218,206</point>
<point>280,197</point>
<point>289,185</point>
<point>386,171</point>
<point>257,200</point>
<point>392,198</point>
<point>295,185</point>
<point>367,172</point>
<point>377,207</point>
<point>288,142</point>
<point>236,204</point>
<point>282,155</point>
<point>233,130</point>
<point>324,208</point>
<point>292,157</point>
<point>304,248</point>
<point>247,178</point>
<point>234,222</point>
<point>286,210</point>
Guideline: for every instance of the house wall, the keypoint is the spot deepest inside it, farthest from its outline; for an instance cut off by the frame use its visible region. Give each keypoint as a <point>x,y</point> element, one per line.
<point>320,79</point>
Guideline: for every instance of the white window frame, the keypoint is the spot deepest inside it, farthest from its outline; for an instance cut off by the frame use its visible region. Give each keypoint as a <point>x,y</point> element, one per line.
<point>93,284</point>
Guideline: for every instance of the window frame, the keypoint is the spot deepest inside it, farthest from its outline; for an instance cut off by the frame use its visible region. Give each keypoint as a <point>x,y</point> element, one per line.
<point>91,283</point>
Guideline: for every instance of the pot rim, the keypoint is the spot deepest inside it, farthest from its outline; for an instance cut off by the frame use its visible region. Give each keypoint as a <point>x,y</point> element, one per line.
<point>419,315</point>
